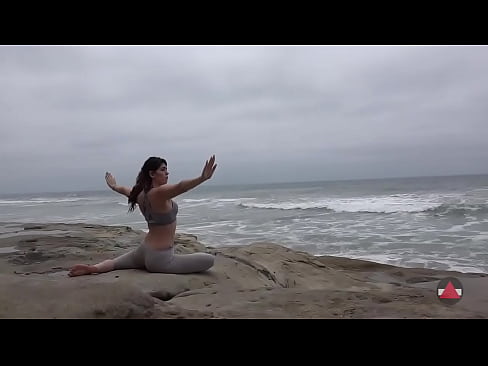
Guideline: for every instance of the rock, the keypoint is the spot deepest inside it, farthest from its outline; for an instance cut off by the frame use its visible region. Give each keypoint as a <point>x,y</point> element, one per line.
<point>260,280</point>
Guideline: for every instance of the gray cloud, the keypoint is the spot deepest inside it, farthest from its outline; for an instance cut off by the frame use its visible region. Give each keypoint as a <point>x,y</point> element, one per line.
<point>270,114</point>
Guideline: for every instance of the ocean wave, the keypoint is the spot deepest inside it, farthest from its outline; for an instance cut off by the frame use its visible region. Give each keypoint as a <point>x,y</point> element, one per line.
<point>459,209</point>
<point>39,201</point>
<point>284,206</point>
<point>214,202</point>
<point>385,204</point>
<point>233,199</point>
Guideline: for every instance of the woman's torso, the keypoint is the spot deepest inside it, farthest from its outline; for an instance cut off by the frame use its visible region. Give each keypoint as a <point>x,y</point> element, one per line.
<point>161,217</point>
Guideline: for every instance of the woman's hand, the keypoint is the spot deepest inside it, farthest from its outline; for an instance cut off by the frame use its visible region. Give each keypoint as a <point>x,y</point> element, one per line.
<point>109,178</point>
<point>209,168</point>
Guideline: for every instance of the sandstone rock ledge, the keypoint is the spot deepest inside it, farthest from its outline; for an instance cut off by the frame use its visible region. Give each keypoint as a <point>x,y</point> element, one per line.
<point>260,280</point>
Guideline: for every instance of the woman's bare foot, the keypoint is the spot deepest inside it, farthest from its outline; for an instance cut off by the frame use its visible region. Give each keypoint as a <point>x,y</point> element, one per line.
<point>81,270</point>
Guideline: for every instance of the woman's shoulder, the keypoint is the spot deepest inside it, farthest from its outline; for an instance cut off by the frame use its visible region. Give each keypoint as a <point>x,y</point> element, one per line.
<point>155,198</point>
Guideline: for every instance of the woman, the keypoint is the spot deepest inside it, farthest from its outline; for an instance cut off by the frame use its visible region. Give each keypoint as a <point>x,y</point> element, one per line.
<point>154,197</point>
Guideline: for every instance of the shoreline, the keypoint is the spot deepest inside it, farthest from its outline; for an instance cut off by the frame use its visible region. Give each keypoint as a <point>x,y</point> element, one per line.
<point>259,280</point>
<point>20,225</point>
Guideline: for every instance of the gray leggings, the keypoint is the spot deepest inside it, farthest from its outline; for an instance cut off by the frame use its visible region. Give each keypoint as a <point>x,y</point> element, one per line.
<point>164,260</point>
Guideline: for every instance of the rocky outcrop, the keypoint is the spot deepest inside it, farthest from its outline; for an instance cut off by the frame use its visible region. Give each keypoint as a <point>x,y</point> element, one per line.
<point>260,280</point>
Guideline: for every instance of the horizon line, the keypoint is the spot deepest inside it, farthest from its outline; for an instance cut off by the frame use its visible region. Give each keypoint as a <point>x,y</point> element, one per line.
<point>278,183</point>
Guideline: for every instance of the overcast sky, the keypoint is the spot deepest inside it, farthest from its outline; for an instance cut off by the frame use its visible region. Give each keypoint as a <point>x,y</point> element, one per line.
<point>270,114</point>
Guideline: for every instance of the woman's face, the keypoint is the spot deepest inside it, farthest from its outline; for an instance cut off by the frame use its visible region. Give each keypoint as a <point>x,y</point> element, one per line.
<point>160,176</point>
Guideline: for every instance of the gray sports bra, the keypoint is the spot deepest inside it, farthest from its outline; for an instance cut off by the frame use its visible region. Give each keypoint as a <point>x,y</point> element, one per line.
<point>155,218</point>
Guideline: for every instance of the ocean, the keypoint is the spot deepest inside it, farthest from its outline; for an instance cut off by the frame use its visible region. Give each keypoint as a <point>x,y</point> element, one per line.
<point>427,222</point>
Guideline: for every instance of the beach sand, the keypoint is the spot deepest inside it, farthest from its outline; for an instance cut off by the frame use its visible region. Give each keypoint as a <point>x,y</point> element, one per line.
<point>260,280</point>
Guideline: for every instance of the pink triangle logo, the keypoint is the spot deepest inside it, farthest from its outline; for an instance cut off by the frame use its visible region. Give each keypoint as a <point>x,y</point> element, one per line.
<point>450,292</point>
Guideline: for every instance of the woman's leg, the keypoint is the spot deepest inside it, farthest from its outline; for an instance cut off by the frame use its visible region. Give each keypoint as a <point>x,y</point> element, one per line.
<point>132,259</point>
<point>165,261</point>
<point>86,269</point>
<point>191,263</point>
